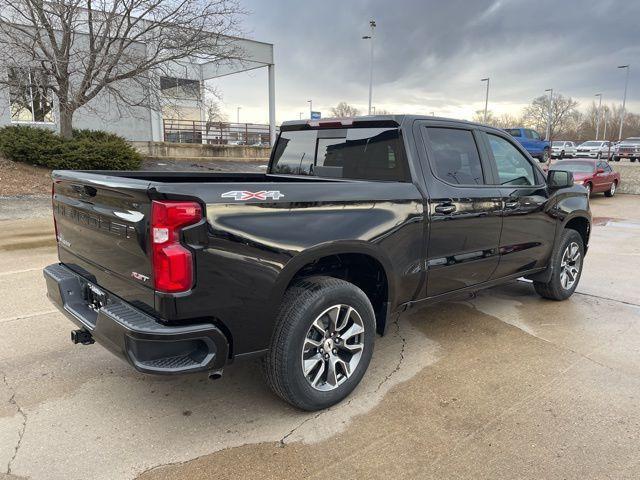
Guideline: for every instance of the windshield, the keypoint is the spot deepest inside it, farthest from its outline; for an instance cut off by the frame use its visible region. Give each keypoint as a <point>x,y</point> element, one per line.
<point>354,153</point>
<point>591,144</point>
<point>557,144</point>
<point>575,167</point>
<point>631,140</point>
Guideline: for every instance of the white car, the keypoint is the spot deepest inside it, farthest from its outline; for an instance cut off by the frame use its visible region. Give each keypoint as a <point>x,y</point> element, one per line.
<point>563,148</point>
<point>595,149</point>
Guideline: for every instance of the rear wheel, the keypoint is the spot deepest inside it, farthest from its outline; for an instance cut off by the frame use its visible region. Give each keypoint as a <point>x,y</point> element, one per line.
<point>612,190</point>
<point>545,156</point>
<point>322,343</point>
<point>566,264</point>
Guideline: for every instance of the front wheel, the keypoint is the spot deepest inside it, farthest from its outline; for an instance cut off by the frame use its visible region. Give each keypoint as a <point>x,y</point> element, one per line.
<point>322,343</point>
<point>566,264</point>
<point>588,187</point>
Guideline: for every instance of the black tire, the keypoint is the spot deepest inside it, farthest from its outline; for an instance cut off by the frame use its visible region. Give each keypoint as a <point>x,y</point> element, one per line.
<point>633,160</point>
<point>561,155</point>
<point>616,159</point>
<point>599,156</point>
<point>545,155</point>
<point>302,304</point>
<point>589,188</point>
<point>612,190</point>
<point>554,288</point>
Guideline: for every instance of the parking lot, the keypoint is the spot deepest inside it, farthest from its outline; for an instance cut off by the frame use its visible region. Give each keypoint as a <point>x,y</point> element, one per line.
<point>502,385</point>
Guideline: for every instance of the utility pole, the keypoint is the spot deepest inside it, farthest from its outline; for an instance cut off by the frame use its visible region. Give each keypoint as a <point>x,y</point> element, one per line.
<point>310,102</point>
<point>604,137</point>
<point>550,90</point>
<point>598,115</point>
<point>486,98</point>
<point>300,115</point>
<point>372,25</point>
<point>238,115</point>
<point>624,100</point>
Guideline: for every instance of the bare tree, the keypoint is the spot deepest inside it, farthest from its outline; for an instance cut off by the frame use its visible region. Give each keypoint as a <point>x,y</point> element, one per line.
<point>79,49</point>
<point>343,109</point>
<point>505,120</point>
<point>564,114</point>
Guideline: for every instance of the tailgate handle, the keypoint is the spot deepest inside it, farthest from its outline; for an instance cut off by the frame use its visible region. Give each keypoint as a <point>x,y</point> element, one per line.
<point>84,190</point>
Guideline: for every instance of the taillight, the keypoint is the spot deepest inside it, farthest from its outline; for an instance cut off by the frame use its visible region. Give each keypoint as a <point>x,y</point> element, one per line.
<point>53,210</point>
<point>172,262</point>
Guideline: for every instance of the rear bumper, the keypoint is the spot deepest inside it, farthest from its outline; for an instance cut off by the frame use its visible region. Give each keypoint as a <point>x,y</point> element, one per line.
<point>137,337</point>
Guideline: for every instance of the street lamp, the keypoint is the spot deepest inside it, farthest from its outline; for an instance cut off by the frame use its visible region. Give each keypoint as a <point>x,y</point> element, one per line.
<point>486,98</point>
<point>433,114</point>
<point>238,115</point>
<point>310,102</point>
<point>624,100</point>
<point>598,114</point>
<point>300,115</point>
<point>550,90</point>
<point>372,25</point>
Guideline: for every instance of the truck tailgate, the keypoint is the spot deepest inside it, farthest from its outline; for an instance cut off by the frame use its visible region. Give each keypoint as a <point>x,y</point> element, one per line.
<point>101,229</point>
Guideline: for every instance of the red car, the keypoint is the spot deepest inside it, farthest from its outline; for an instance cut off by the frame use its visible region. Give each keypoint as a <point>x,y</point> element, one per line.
<point>596,175</point>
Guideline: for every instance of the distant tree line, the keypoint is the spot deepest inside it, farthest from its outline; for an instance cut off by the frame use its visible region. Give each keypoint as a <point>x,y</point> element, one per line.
<point>567,121</point>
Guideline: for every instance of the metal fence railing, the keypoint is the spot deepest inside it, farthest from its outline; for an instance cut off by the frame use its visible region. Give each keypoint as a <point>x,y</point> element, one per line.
<point>215,133</point>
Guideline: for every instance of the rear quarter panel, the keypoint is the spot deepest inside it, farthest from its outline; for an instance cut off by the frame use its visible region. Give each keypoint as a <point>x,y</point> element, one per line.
<point>252,249</point>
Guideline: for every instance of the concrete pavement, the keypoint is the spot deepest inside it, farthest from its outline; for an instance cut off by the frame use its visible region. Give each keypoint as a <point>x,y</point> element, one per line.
<point>503,385</point>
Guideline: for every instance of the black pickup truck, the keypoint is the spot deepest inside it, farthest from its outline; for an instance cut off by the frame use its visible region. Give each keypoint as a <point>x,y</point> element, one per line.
<point>355,219</point>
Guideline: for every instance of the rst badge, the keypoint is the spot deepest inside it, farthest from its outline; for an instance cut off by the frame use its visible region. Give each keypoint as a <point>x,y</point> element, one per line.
<point>262,195</point>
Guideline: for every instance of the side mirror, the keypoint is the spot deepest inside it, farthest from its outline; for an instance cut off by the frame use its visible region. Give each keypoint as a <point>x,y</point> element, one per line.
<point>600,170</point>
<point>559,179</point>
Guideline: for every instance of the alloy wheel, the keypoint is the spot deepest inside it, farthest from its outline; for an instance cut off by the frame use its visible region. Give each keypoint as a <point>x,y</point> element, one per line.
<point>570,266</point>
<point>333,347</point>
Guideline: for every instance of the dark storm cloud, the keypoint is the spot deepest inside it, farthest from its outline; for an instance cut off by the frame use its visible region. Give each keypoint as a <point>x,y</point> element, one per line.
<point>432,54</point>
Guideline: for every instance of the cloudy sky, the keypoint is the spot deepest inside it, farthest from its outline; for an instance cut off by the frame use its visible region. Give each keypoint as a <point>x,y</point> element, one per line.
<point>430,55</point>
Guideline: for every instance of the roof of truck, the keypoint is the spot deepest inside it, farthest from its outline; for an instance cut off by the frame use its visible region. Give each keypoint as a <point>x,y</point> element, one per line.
<point>372,120</point>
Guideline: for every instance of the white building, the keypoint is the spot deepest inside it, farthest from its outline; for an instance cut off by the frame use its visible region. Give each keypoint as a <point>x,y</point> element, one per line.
<point>30,102</point>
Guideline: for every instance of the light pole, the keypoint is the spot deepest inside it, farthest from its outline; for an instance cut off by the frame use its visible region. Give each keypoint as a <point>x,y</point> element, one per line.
<point>310,102</point>
<point>624,100</point>
<point>550,90</point>
<point>604,137</point>
<point>372,25</point>
<point>238,115</point>
<point>486,98</point>
<point>433,114</point>
<point>300,115</point>
<point>598,114</point>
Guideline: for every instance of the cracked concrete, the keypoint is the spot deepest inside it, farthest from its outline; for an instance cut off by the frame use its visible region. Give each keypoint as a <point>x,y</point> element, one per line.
<point>12,401</point>
<point>503,385</point>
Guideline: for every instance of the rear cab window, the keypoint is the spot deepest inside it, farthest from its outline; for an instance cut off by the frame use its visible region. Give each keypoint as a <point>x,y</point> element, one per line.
<point>514,132</point>
<point>350,153</point>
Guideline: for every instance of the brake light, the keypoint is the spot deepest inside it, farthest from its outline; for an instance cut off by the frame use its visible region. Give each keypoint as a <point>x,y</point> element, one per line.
<point>53,211</point>
<point>172,262</point>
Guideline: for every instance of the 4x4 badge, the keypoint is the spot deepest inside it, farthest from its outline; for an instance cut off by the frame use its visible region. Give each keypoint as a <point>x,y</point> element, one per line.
<point>244,195</point>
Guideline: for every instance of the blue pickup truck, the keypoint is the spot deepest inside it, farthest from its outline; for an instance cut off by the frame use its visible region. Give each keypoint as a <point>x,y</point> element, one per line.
<point>531,141</point>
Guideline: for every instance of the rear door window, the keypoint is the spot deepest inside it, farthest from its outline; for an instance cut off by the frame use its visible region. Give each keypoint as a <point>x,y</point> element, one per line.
<point>515,132</point>
<point>454,156</point>
<point>354,153</point>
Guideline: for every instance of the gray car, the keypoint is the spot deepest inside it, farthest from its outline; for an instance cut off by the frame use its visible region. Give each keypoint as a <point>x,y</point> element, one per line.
<point>628,148</point>
<point>595,149</point>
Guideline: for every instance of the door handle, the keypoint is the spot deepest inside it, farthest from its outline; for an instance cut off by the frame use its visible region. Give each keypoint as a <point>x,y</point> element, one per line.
<point>445,209</point>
